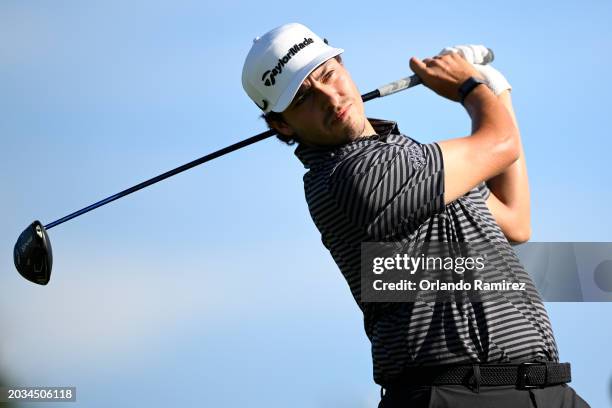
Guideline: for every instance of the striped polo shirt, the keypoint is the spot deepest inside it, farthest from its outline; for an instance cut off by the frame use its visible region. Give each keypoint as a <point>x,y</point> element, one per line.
<point>389,187</point>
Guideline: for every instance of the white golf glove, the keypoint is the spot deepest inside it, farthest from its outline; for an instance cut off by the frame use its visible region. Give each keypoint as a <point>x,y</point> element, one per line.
<point>475,55</point>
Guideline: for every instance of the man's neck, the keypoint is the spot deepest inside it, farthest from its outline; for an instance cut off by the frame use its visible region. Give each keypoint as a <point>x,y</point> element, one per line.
<point>368,129</point>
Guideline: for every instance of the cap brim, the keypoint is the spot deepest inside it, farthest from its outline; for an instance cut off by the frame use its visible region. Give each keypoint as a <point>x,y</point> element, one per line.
<point>287,96</point>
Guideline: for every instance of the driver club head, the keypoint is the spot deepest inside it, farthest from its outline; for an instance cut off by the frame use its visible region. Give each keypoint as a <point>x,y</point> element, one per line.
<point>33,255</point>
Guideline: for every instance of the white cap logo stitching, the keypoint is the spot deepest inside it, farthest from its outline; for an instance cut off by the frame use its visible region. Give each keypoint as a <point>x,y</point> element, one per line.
<point>268,76</point>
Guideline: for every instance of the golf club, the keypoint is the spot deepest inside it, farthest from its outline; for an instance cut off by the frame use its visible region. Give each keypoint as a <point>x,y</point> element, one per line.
<point>32,253</point>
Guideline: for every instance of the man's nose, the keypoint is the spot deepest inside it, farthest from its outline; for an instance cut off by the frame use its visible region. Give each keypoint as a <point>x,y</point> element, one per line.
<point>327,96</point>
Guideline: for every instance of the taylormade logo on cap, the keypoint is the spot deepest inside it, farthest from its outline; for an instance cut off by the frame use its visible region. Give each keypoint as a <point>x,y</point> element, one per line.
<point>278,63</point>
<point>268,76</point>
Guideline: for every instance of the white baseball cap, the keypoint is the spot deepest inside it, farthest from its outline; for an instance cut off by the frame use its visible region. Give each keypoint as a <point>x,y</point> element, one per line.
<point>278,63</point>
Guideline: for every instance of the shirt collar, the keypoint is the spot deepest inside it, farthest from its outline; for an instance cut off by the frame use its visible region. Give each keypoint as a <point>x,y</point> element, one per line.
<point>311,156</point>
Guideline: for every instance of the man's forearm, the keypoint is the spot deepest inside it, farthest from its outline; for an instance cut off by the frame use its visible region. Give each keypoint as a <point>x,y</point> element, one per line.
<point>511,188</point>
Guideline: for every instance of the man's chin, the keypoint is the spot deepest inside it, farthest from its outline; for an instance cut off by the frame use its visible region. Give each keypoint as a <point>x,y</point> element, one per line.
<point>354,128</point>
<point>346,133</point>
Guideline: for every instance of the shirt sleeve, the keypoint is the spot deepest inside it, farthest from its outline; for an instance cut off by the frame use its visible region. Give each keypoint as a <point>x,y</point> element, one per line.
<point>386,187</point>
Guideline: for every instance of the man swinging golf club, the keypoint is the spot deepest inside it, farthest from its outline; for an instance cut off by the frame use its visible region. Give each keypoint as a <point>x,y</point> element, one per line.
<point>368,182</point>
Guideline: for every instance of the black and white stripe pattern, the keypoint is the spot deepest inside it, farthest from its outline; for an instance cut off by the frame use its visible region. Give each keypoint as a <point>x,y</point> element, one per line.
<point>389,187</point>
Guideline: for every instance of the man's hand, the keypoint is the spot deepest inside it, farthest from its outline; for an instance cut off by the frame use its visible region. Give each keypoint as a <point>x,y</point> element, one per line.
<point>475,54</point>
<point>493,144</point>
<point>444,74</point>
<point>509,199</point>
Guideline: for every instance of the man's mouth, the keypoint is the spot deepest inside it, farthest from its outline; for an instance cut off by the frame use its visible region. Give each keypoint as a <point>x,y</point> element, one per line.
<point>341,114</point>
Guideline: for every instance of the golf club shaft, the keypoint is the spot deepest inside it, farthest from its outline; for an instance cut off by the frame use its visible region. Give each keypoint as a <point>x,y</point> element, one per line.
<point>384,90</point>
<point>165,175</point>
<point>396,86</point>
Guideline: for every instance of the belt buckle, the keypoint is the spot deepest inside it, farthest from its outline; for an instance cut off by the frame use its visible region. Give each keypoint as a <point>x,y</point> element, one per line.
<point>521,374</point>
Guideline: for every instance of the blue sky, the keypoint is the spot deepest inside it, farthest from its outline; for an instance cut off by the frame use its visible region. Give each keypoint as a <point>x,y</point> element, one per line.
<point>213,288</point>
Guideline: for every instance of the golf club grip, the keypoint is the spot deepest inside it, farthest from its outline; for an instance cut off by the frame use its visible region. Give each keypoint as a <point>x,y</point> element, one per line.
<point>413,80</point>
<point>399,85</point>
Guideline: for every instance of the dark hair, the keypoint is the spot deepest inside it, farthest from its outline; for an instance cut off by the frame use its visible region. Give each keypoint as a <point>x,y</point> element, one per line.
<point>278,117</point>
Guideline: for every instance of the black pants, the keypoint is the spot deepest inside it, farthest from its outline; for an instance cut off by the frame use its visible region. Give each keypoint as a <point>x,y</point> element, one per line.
<point>459,396</point>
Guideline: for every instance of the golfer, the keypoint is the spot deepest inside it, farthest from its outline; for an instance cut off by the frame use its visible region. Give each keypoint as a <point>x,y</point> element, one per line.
<point>366,182</point>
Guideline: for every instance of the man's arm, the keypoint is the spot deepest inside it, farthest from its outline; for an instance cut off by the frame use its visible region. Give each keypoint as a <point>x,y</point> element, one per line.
<point>494,143</point>
<point>509,199</point>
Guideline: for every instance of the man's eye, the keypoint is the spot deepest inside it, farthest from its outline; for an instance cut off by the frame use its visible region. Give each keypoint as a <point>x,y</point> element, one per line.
<point>329,75</point>
<point>301,98</point>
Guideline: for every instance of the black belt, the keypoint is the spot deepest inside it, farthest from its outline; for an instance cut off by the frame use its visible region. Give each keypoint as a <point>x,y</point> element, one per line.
<point>523,376</point>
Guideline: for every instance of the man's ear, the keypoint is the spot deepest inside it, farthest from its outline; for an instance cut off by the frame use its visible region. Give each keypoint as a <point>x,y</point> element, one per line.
<point>282,127</point>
